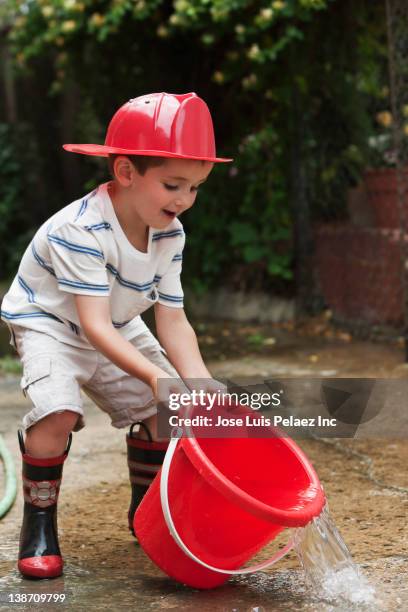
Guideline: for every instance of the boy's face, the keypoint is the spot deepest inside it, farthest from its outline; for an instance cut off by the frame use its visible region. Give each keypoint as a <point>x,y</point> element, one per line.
<point>166,191</point>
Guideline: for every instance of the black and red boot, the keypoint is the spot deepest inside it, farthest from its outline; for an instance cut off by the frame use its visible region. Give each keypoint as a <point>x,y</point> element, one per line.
<point>40,555</point>
<point>145,458</point>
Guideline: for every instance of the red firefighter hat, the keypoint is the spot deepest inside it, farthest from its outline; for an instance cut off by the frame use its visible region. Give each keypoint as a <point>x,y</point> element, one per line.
<point>160,125</point>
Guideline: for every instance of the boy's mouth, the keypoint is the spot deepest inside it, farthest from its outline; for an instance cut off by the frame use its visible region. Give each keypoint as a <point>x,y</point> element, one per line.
<point>169,213</point>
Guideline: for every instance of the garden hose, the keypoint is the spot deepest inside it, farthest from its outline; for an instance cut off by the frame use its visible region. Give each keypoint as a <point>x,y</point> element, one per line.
<point>10,479</point>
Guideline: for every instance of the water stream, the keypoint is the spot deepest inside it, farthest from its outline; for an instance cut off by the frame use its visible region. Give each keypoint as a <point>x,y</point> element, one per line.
<point>329,569</point>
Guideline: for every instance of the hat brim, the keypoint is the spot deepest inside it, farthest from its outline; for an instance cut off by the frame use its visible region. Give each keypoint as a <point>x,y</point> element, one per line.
<point>105,151</point>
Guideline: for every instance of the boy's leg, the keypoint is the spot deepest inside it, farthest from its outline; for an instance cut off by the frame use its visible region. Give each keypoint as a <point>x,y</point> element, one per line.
<point>146,452</point>
<point>130,402</point>
<point>48,437</point>
<point>52,374</point>
<point>44,452</point>
<point>145,456</point>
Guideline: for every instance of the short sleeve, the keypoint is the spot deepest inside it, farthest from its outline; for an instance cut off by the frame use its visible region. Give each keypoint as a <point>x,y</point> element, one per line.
<point>169,286</point>
<point>77,260</point>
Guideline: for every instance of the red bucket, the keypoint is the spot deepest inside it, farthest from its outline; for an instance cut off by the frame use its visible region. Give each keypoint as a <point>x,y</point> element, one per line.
<point>217,502</point>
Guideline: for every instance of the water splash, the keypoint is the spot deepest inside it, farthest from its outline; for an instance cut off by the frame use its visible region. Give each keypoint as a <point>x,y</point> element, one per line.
<point>329,568</point>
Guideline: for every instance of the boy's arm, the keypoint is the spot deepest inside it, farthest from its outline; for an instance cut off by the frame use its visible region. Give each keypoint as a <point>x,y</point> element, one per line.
<point>95,319</point>
<point>180,342</point>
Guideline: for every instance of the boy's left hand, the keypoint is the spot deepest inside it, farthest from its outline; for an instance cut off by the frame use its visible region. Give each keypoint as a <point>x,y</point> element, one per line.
<point>208,385</point>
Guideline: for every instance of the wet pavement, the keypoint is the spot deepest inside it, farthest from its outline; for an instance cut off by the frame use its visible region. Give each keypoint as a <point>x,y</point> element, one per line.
<point>366,483</point>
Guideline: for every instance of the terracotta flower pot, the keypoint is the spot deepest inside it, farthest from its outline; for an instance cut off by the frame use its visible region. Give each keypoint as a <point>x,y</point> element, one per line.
<point>359,208</point>
<point>382,195</point>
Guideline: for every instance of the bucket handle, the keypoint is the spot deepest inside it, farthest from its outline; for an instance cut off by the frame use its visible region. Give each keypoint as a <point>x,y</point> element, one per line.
<point>164,497</point>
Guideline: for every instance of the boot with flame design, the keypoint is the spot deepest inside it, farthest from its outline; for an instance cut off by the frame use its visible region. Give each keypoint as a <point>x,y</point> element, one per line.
<point>40,555</point>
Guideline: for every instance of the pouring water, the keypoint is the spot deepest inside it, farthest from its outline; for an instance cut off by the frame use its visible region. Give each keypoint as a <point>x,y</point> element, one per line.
<point>327,563</point>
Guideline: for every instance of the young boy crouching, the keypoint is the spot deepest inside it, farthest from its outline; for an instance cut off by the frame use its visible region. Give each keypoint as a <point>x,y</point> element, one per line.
<point>74,307</point>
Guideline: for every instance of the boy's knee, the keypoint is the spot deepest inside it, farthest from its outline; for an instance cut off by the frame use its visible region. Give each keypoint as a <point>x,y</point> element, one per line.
<point>67,418</point>
<point>61,422</point>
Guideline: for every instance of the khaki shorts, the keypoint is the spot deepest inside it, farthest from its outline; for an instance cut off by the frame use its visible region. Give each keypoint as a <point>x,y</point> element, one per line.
<point>54,374</point>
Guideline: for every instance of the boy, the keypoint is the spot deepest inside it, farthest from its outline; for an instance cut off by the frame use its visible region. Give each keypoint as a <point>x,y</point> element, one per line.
<point>73,308</point>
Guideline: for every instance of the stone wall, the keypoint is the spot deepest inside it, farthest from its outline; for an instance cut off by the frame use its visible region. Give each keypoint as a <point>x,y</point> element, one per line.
<point>224,304</point>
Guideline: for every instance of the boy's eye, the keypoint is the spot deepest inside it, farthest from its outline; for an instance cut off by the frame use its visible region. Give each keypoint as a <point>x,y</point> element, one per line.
<point>174,187</point>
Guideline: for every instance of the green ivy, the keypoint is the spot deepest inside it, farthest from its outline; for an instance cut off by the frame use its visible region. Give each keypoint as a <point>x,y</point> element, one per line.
<point>247,58</point>
<point>19,165</point>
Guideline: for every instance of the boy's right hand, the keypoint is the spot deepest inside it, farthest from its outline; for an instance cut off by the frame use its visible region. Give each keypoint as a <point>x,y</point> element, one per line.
<point>163,385</point>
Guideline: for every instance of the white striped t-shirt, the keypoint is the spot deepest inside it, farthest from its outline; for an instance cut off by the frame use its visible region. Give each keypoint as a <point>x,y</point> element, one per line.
<point>83,250</point>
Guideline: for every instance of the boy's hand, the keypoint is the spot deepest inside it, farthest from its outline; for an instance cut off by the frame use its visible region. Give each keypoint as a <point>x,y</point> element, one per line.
<point>212,385</point>
<point>170,385</point>
<point>163,385</point>
<point>208,385</point>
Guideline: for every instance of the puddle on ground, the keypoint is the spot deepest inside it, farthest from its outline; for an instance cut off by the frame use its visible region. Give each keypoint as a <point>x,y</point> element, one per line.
<point>129,581</point>
<point>108,574</point>
<point>7,551</point>
<point>105,570</point>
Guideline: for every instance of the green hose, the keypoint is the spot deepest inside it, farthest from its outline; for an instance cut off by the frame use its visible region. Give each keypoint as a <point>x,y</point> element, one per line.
<point>11,480</point>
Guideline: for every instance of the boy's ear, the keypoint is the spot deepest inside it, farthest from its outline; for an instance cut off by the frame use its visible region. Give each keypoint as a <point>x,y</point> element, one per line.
<point>123,170</point>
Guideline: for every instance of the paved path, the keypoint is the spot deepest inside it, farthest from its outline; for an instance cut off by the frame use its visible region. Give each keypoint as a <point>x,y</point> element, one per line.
<point>366,483</point>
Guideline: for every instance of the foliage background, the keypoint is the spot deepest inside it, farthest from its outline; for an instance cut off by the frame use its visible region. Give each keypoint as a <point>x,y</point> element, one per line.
<point>296,88</point>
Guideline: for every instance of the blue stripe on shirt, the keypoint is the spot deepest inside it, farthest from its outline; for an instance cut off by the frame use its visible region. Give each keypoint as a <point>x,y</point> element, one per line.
<point>28,315</point>
<point>74,327</point>
<point>104,225</point>
<point>171,298</point>
<point>72,246</point>
<point>119,325</point>
<point>84,204</point>
<point>41,261</point>
<point>129,284</point>
<point>169,234</point>
<point>178,257</point>
<point>82,285</point>
<point>82,208</point>
<point>27,289</point>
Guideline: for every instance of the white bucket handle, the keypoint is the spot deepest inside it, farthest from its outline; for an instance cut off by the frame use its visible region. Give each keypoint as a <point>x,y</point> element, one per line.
<point>164,497</point>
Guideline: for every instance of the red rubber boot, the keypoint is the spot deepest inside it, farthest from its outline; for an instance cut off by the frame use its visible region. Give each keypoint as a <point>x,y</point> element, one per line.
<point>40,555</point>
<point>145,459</point>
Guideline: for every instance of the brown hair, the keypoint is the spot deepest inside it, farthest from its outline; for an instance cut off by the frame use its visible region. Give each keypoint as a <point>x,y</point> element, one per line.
<point>141,162</point>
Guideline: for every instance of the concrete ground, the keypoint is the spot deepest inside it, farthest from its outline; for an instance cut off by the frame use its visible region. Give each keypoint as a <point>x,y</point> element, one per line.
<point>366,484</point>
